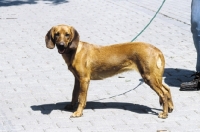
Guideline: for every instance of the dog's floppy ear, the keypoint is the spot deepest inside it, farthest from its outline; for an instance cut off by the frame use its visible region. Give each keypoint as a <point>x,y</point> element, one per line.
<point>49,39</point>
<point>74,39</point>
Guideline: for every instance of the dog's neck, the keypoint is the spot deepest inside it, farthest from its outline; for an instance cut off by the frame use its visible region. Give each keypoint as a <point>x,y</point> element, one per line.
<point>68,55</point>
<point>69,51</point>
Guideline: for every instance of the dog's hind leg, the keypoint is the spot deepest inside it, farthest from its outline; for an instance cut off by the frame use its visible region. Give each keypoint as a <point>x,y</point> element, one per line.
<point>169,97</point>
<point>155,83</point>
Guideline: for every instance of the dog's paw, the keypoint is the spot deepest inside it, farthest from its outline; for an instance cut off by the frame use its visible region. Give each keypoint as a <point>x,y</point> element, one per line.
<point>162,115</point>
<point>76,114</point>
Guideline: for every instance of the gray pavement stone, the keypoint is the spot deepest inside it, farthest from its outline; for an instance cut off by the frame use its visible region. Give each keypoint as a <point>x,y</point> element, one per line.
<point>35,83</point>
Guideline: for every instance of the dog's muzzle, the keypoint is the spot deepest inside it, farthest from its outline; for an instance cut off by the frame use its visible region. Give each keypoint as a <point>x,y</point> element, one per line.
<point>61,48</point>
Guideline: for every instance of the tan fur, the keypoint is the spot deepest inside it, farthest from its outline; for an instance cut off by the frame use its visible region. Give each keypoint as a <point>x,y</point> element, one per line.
<point>91,62</point>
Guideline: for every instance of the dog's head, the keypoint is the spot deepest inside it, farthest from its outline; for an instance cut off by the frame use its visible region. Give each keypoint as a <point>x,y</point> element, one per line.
<point>63,36</point>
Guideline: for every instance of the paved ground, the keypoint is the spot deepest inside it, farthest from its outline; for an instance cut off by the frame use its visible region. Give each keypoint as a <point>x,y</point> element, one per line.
<point>35,84</point>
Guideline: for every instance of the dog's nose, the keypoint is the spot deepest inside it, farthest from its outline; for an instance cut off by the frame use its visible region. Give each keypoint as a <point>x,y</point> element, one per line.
<point>61,43</point>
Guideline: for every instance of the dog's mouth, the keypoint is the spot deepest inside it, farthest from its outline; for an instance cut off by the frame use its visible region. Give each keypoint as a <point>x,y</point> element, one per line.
<point>61,49</point>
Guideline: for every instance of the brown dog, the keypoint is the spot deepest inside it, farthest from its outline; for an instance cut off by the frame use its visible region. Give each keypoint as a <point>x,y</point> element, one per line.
<point>90,62</point>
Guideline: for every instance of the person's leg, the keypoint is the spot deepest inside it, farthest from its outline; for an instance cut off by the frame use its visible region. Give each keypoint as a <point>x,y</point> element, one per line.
<point>195,28</point>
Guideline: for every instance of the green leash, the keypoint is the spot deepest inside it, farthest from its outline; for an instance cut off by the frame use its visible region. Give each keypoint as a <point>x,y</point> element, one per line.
<point>149,21</point>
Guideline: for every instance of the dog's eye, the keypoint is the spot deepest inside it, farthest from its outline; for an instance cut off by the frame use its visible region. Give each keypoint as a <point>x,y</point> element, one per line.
<point>67,35</point>
<point>57,34</point>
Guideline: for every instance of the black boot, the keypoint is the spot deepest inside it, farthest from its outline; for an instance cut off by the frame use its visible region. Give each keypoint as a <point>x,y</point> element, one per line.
<point>192,85</point>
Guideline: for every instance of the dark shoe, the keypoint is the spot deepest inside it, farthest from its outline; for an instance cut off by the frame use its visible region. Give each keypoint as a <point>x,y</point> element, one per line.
<point>192,85</point>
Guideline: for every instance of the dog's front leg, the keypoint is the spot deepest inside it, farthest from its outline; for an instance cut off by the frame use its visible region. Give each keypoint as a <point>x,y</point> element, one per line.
<point>84,83</point>
<point>75,95</point>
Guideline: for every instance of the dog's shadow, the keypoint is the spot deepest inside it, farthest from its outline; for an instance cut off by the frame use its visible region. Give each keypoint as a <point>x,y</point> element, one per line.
<point>172,76</point>
<point>141,109</point>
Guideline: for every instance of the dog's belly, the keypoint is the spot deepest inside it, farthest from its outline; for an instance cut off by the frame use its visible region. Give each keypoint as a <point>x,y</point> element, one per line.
<point>101,72</point>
